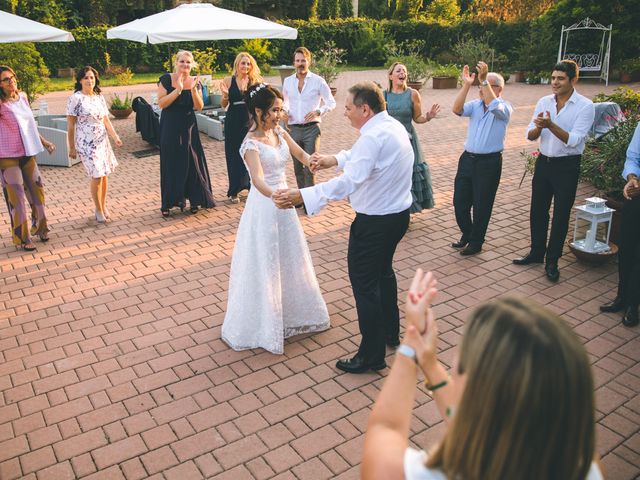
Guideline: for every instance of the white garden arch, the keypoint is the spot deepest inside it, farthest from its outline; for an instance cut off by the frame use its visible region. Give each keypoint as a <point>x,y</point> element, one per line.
<point>592,64</point>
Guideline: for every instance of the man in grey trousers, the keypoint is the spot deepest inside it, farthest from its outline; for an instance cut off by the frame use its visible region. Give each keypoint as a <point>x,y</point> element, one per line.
<point>306,98</point>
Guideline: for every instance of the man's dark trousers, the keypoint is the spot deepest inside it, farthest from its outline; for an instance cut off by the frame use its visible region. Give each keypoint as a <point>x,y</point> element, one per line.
<point>554,178</point>
<point>308,137</point>
<point>372,243</point>
<point>475,188</point>
<point>629,254</point>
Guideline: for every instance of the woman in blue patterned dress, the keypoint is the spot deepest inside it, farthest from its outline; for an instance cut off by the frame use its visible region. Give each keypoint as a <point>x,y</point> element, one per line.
<point>87,127</point>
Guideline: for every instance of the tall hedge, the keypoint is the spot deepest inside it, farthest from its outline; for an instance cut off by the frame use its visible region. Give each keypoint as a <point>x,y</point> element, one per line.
<point>349,34</point>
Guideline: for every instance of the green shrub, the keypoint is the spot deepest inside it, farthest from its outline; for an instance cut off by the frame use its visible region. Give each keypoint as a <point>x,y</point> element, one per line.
<point>627,99</point>
<point>603,160</point>
<point>25,60</point>
<point>371,46</point>
<point>118,103</point>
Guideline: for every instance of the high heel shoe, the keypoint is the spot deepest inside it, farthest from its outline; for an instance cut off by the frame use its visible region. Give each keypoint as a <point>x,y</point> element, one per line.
<point>100,218</point>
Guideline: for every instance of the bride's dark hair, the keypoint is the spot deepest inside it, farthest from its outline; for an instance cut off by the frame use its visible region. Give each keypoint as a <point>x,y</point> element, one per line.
<point>262,96</point>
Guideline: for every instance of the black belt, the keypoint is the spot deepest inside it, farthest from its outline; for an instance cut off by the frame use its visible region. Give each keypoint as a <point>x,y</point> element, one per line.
<point>304,125</point>
<point>566,158</point>
<point>482,155</point>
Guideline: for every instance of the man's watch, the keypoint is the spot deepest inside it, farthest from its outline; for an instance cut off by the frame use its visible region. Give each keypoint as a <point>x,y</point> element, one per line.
<point>407,351</point>
<point>318,112</point>
<point>485,83</point>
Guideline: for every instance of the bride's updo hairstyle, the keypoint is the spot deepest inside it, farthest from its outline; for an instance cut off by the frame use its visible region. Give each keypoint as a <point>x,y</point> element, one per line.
<point>262,96</point>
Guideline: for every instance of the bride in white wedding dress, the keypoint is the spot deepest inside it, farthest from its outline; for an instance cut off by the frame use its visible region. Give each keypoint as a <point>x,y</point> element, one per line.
<point>273,290</point>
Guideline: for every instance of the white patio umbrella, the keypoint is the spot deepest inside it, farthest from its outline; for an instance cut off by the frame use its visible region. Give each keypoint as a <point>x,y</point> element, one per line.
<point>19,29</point>
<point>199,21</point>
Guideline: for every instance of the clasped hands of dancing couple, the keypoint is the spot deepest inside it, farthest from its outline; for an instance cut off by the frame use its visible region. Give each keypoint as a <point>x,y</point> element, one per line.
<point>291,197</point>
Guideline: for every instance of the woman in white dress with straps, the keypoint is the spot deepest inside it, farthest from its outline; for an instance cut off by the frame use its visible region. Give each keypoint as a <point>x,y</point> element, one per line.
<point>273,290</point>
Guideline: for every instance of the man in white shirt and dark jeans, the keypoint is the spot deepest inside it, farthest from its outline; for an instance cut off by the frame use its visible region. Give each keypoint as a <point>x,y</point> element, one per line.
<point>376,177</point>
<point>306,98</point>
<point>561,121</point>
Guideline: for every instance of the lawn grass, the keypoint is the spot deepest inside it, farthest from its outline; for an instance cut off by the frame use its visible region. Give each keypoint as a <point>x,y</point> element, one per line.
<point>66,84</point>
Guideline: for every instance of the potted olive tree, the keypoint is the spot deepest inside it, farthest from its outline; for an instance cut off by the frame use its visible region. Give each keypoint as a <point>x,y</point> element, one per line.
<point>326,64</point>
<point>120,108</point>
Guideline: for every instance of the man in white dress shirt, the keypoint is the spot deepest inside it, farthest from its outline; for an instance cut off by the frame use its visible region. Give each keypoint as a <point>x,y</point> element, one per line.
<point>561,121</point>
<point>376,177</point>
<point>306,98</point>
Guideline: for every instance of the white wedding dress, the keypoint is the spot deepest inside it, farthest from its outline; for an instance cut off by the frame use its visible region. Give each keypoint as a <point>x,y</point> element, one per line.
<point>273,290</point>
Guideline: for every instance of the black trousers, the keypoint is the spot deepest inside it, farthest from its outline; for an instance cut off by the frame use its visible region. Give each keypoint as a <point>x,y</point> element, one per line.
<point>372,243</point>
<point>629,254</point>
<point>475,189</point>
<point>553,179</point>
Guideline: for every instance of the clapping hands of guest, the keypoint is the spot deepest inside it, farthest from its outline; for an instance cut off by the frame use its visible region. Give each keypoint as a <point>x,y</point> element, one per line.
<point>467,77</point>
<point>422,330</point>
<point>318,161</point>
<point>543,120</point>
<point>287,198</point>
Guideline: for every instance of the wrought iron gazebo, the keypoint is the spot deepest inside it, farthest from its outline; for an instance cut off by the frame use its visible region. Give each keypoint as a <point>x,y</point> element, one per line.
<point>584,37</point>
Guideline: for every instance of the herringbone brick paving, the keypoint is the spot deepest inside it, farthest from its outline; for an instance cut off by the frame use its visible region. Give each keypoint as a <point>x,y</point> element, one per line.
<point>111,363</point>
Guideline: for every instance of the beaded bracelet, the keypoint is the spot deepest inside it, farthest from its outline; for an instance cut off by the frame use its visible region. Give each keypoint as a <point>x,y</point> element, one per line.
<point>433,388</point>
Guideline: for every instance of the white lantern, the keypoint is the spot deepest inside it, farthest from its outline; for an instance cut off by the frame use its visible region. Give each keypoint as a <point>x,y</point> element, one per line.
<point>592,227</point>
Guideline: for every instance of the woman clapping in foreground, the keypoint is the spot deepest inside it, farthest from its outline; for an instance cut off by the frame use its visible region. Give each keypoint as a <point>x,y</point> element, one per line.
<point>519,403</point>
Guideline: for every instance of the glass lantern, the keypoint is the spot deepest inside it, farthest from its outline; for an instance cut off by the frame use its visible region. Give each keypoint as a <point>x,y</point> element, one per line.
<point>592,226</point>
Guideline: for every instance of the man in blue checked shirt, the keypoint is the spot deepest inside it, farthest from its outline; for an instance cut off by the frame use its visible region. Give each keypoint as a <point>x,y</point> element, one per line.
<point>480,165</point>
<point>628,296</point>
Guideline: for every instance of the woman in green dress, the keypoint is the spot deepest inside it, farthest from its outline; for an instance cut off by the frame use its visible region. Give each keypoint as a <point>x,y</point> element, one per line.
<point>404,104</point>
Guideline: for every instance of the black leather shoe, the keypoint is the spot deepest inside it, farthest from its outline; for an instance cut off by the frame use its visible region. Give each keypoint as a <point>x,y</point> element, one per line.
<point>612,307</point>
<point>393,342</point>
<point>358,365</point>
<point>460,244</point>
<point>630,318</point>
<point>471,249</point>
<point>528,259</point>
<point>552,272</point>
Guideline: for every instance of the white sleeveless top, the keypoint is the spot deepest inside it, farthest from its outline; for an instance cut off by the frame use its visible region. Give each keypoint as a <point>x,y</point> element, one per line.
<point>415,469</point>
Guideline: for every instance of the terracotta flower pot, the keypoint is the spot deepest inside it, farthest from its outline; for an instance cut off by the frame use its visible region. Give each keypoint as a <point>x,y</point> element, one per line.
<point>415,85</point>
<point>120,114</point>
<point>444,82</point>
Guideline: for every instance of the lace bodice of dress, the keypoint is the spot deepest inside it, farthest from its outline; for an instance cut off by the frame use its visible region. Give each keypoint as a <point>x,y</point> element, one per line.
<point>272,159</point>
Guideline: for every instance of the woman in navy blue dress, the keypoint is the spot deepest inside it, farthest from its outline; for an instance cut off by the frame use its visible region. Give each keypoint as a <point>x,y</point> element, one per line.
<point>183,167</point>
<point>236,123</point>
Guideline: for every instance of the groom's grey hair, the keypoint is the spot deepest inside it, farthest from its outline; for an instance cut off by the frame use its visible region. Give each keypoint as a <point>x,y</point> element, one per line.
<point>369,93</point>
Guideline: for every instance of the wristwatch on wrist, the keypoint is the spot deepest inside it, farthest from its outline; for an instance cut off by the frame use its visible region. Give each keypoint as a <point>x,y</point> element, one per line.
<point>484,83</point>
<point>407,351</point>
<point>318,112</point>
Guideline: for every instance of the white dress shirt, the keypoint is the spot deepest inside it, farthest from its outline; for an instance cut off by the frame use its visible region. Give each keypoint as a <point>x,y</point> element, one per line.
<point>576,118</point>
<point>376,171</point>
<point>314,92</point>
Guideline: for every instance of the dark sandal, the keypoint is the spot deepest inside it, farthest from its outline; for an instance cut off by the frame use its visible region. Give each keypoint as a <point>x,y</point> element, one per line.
<point>194,209</point>
<point>165,213</point>
<point>44,237</point>
<point>28,247</point>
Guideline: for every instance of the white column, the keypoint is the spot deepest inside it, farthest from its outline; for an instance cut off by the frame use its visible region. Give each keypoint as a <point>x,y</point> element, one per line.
<point>354,3</point>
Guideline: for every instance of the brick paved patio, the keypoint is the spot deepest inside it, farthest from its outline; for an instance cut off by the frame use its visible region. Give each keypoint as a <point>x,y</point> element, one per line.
<point>111,365</point>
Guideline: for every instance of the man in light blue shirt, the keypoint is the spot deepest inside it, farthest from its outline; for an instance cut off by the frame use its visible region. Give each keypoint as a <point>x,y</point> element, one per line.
<point>628,296</point>
<point>480,165</point>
